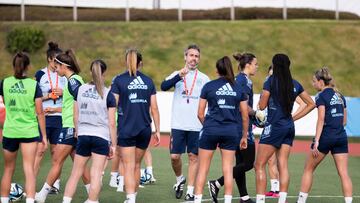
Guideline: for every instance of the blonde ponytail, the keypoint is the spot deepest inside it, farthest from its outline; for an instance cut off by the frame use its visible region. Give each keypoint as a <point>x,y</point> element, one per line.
<point>131,62</point>
<point>98,67</point>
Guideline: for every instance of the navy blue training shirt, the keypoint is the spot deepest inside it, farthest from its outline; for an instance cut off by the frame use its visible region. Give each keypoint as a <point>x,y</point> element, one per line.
<point>246,86</point>
<point>276,116</point>
<point>334,112</point>
<point>134,102</point>
<point>223,116</point>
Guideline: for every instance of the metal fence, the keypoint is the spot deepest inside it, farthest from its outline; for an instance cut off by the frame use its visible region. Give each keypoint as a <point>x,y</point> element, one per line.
<point>346,5</point>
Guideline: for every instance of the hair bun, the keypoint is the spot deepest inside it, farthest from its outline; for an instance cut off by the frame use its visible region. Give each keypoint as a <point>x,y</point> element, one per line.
<point>53,45</point>
<point>238,56</point>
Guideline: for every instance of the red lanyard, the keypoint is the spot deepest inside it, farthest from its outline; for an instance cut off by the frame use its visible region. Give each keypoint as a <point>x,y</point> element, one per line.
<point>57,78</point>
<point>192,86</point>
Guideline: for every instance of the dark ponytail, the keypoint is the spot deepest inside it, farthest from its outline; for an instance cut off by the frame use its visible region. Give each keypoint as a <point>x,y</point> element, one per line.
<point>224,68</point>
<point>68,59</point>
<point>283,82</point>
<point>21,63</point>
<point>243,59</point>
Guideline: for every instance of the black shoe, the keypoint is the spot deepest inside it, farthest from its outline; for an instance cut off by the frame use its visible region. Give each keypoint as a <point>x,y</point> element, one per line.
<point>179,188</point>
<point>247,201</point>
<point>213,190</point>
<point>54,191</point>
<point>189,197</point>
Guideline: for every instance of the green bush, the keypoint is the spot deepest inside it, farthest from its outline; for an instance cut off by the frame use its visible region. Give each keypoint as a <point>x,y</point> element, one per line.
<point>25,39</point>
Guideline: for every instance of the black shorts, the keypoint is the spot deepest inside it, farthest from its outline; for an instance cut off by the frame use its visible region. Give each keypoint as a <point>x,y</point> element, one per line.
<point>92,144</point>
<point>12,144</point>
<point>141,140</point>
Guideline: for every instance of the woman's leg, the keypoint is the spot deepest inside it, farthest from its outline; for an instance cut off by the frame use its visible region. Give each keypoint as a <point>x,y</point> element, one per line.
<point>86,174</point>
<point>28,151</point>
<point>341,161</point>
<point>97,167</point>
<point>121,170</point>
<point>227,168</point>
<point>264,153</point>
<point>38,157</point>
<point>128,158</point>
<point>114,172</point>
<point>204,158</point>
<point>77,171</point>
<point>139,155</point>
<point>9,168</point>
<point>311,164</point>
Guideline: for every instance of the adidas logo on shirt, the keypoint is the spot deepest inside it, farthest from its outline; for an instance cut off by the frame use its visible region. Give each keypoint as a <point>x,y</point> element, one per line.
<point>18,88</point>
<point>137,83</point>
<point>91,93</point>
<point>226,90</point>
<point>336,100</point>
<point>221,101</point>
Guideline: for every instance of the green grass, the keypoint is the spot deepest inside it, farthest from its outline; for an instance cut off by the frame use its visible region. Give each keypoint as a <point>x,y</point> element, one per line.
<point>326,181</point>
<point>310,44</point>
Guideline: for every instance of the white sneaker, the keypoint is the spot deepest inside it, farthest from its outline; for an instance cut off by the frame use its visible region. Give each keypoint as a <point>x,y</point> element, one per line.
<point>39,198</point>
<point>113,181</point>
<point>120,188</point>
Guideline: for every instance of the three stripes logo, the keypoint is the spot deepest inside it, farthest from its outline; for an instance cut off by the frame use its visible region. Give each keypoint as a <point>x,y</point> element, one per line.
<point>226,90</point>
<point>336,100</point>
<point>91,93</point>
<point>18,88</point>
<point>137,83</point>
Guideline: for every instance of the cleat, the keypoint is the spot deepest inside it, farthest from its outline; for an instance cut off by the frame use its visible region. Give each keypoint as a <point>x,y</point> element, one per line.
<point>189,197</point>
<point>213,190</point>
<point>179,188</point>
<point>114,181</point>
<point>54,191</point>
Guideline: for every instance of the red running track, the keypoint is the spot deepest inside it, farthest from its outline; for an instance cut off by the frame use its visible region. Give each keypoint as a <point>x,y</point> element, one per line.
<point>299,146</point>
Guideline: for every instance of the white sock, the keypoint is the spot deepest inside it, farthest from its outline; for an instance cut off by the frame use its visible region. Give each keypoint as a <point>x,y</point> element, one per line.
<point>227,198</point>
<point>198,198</point>
<point>89,201</point>
<point>179,178</point>
<point>130,198</point>
<point>4,199</point>
<point>302,197</point>
<point>190,190</point>
<point>260,198</point>
<point>274,185</point>
<point>87,187</point>
<point>114,174</point>
<point>30,200</point>
<point>149,170</point>
<point>348,199</point>
<point>66,199</point>
<point>57,184</point>
<point>246,197</point>
<point>282,198</point>
<point>44,190</point>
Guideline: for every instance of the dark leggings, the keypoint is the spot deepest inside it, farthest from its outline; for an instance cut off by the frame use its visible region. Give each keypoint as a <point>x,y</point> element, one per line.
<point>244,162</point>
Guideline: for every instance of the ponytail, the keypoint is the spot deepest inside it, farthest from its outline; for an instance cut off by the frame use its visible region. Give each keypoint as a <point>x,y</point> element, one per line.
<point>133,61</point>
<point>243,59</point>
<point>68,59</point>
<point>21,62</point>
<point>98,67</point>
<point>224,68</point>
<point>324,75</point>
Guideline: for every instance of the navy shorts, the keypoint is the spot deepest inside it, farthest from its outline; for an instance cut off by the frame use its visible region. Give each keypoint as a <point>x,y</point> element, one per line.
<point>335,145</point>
<point>210,141</point>
<point>53,128</point>
<point>92,144</point>
<point>67,137</point>
<point>181,140</point>
<point>141,140</point>
<point>12,144</point>
<point>277,136</point>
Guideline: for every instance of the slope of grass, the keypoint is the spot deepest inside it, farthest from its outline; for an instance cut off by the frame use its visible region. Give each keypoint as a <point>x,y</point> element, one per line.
<point>310,44</point>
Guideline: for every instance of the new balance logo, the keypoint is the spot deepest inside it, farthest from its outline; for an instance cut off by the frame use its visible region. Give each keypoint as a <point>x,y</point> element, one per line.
<point>137,83</point>
<point>83,106</point>
<point>91,93</point>
<point>132,96</point>
<point>12,102</point>
<point>226,90</point>
<point>221,101</point>
<point>336,100</point>
<point>18,88</point>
